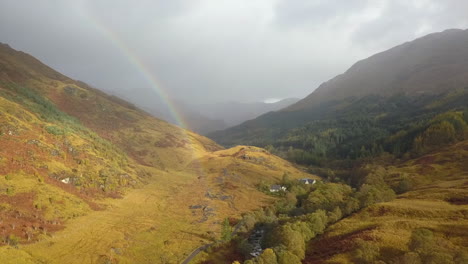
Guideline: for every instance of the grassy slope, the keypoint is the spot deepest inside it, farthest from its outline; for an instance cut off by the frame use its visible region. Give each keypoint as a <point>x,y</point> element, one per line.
<point>438,202</point>
<point>53,128</point>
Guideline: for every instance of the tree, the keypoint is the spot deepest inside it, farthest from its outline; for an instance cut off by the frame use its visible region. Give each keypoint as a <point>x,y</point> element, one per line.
<point>286,180</point>
<point>439,134</point>
<point>327,197</point>
<point>286,257</point>
<point>248,221</point>
<point>293,241</point>
<point>317,221</point>
<point>418,145</point>
<point>267,257</point>
<point>335,215</point>
<point>371,194</point>
<point>366,251</point>
<point>245,247</point>
<point>304,229</point>
<point>226,230</point>
<point>351,205</point>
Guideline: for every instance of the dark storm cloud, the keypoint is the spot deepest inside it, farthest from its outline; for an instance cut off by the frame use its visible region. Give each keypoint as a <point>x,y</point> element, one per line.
<point>216,50</point>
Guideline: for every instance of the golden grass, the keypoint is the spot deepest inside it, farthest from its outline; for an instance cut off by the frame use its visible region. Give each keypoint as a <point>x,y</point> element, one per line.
<point>154,224</point>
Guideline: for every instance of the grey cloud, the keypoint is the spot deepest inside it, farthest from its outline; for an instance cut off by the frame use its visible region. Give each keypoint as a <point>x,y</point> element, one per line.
<point>207,51</point>
<point>316,13</point>
<point>403,20</point>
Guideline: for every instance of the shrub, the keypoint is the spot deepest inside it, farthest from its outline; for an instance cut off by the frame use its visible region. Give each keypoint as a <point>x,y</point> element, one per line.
<point>410,258</point>
<point>12,240</point>
<point>54,130</point>
<point>404,185</point>
<point>422,240</point>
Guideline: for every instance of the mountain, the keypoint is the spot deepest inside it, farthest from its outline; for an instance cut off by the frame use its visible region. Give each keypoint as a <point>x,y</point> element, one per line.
<point>381,104</point>
<point>432,64</point>
<point>234,113</point>
<point>87,177</point>
<point>208,118</point>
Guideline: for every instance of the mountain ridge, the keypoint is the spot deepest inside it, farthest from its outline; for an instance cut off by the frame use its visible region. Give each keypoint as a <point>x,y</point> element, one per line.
<point>340,100</point>
<point>392,64</point>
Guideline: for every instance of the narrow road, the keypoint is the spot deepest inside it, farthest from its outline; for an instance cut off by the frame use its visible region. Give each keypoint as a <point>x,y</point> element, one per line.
<point>200,249</point>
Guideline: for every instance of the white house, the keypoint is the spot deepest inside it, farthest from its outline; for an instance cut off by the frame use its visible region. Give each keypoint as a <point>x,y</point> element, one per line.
<point>277,188</point>
<point>307,181</point>
<point>66,180</point>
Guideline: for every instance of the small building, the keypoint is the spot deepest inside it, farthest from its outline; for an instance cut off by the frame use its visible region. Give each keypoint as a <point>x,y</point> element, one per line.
<point>277,188</point>
<point>307,181</point>
<point>66,180</point>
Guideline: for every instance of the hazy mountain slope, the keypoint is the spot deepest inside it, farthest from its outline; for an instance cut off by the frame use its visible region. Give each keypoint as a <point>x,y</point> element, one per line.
<point>207,118</point>
<point>357,112</point>
<point>432,64</point>
<point>67,150</point>
<point>192,118</point>
<point>234,113</point>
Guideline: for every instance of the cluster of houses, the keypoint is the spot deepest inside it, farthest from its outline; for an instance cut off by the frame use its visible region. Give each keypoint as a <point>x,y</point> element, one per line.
<point>278,188</point>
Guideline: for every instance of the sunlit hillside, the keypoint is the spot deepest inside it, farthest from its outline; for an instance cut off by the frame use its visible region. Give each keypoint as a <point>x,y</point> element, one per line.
<point>436,200</point>
<point>89,178</point>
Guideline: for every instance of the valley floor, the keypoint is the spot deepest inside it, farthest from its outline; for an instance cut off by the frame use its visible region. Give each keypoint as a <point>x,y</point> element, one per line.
<point>164,220</point>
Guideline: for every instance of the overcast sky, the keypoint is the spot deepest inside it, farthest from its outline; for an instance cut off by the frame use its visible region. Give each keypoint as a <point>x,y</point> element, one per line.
<point>216,50</point>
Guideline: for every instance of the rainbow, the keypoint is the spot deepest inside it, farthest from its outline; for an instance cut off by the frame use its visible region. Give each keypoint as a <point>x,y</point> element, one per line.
<point>141,67</point>
<point>150,78</point>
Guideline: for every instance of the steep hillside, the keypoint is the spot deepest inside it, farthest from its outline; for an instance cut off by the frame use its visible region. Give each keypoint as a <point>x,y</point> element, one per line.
<point>363,111</point>
<point>89,178</point>
<point>432,64</point>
